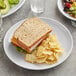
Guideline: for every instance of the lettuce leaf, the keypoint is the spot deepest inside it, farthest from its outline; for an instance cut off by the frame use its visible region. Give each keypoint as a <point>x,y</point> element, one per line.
<point>13,1</point>
<point>2,4</point>
<point>19,49</point>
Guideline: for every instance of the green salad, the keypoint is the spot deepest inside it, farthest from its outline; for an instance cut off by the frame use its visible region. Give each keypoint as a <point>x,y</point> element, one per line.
<point>6,5</point>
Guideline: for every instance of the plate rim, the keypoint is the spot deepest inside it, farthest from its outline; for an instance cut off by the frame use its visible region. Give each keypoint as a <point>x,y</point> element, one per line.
<point>63,13</point>
<point>8,14</point>
<point>45,67</point>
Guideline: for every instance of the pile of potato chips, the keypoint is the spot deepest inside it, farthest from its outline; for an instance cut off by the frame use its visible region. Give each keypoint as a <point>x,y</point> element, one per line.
<point>47,52</point>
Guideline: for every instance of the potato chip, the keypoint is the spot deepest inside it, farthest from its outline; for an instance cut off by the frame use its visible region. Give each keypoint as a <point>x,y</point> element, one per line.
<point>47,52</point>
<point>58,50</point>
<point>40,51</point>
<point>52,57</point>
<point>30,58</point>
<point>50,62</point>
<point>41,60</point>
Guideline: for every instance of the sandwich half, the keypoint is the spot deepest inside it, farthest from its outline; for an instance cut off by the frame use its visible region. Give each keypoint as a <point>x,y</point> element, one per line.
<point>30,33</point>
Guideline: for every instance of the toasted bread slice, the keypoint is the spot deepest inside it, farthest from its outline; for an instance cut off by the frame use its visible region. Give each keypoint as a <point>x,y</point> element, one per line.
<point>31,32</point>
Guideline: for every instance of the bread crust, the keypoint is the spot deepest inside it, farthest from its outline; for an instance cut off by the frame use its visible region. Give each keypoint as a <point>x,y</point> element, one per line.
<point>20,44</point>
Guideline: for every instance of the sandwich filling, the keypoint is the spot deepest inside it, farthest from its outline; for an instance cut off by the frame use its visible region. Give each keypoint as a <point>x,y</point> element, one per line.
<point>22,48</point>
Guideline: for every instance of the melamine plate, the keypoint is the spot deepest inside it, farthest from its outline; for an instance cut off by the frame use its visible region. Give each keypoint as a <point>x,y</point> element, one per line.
<point>63,34</point>
<point>14,9</point>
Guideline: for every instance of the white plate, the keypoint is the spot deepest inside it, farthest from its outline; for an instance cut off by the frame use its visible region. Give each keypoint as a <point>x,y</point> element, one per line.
<point>63,35</point>
<point>14,9</point>
<point>61,7</point>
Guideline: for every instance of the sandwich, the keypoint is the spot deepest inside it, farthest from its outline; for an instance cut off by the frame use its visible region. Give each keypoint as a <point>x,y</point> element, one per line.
<point>30,34</point>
